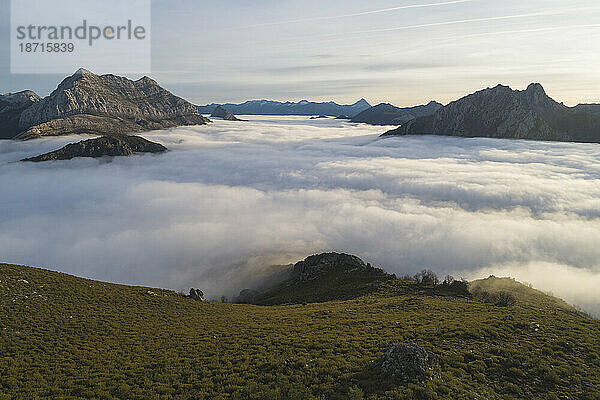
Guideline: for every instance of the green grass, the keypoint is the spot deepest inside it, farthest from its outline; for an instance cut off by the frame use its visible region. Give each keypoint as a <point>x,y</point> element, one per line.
<point>63,337</point>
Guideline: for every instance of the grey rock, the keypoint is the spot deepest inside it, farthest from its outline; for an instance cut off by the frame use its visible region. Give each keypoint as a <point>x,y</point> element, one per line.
<point>12,106</point>
<point>501,112</point>
<point>19,98</point>
<point>104,105</point>
<point>102,147</point>
<point>319,117</point>
<point>408,362</point>
<point>387,114</point>
<point>197,294</point>
<point>222,112</point>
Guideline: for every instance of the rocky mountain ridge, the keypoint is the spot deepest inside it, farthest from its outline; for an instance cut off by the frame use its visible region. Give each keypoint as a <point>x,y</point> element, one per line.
<point>387,114</point>
<point>105,146</point>
<point>501,112</point>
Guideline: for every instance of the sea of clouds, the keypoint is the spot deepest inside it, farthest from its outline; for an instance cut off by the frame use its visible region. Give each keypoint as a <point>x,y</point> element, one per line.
<point>232,199</point>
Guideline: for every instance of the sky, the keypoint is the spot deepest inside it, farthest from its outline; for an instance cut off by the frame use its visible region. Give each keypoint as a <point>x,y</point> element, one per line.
<point>231,199</point>
<point>405,52</point>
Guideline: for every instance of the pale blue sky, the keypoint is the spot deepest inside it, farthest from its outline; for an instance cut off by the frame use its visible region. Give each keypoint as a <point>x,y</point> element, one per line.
<point>400,51</point>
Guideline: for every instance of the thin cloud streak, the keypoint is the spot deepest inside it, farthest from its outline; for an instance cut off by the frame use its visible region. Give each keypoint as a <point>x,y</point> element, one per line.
<point>344,35</point>
<point>446,39</point>
<point>383,10</point>
<point>445,23</point>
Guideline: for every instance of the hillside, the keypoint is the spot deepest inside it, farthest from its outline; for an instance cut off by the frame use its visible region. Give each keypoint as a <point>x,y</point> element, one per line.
<point>501,112</point>
<point>64,337</point>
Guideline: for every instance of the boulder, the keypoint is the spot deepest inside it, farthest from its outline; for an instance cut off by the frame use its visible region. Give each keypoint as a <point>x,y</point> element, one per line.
<point>408,362</point>
<point>197,294</point>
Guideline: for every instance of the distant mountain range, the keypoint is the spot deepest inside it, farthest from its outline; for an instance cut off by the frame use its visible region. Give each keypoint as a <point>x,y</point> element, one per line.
<point>92,104</point>
<point>387,114</point>
<point>85,103</point>
<point>304,107</point>
<point>501,112</point>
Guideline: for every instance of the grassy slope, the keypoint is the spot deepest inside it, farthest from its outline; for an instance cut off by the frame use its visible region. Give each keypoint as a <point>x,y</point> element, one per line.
<point>66,337</point>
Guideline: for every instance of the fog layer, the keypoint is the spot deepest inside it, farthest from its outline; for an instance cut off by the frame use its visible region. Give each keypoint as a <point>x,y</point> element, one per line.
<point>233,198</point>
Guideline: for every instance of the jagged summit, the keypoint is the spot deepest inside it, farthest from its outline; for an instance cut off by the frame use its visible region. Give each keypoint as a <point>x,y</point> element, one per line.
<point>362,102</point>
<point>83,72</point>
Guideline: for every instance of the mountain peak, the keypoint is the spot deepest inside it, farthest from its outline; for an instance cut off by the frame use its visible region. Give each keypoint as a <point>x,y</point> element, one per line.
<point>148,80</point>
<point>362,102</point>
<point>83,72</point>
<point>535,88</point>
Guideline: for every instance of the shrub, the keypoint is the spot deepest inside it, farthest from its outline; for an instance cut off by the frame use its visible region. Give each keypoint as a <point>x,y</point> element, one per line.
<point>427,277</point>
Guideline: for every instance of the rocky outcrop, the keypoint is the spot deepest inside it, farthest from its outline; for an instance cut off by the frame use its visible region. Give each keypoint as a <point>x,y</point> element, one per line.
<point>106,146</point>
<point>387,114</point>
<point>196,294</point>
<point>408,362</point>
<point>315,266</point>
<point>323,277</point>
<point>246,296</point>
<point>12,106</point>
<point>223,113</point>
<point>105,105</point>
<point>304,107</point>
<point>501,112</point>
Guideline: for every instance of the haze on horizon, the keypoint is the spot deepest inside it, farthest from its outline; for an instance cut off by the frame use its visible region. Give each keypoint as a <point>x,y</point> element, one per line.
<point>403,52</point>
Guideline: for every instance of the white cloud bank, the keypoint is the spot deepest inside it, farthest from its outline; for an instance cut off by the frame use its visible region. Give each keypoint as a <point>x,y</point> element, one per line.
<point>232,197</point>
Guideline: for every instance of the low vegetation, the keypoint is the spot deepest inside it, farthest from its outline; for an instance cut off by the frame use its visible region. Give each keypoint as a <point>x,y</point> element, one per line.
<point>63,337</point>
